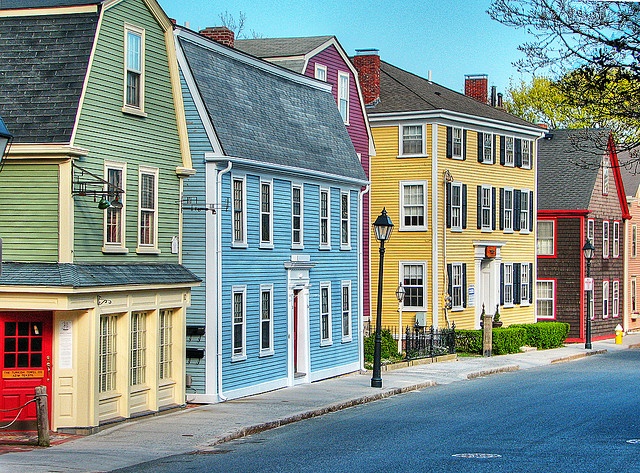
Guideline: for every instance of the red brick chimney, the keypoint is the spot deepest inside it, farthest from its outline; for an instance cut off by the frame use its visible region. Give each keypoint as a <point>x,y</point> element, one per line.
<point>367,63</point>
<point>476,86</point>
<point>221,34</point>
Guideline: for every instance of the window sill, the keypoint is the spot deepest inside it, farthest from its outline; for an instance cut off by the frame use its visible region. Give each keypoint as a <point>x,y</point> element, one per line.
<point>264,354</point>
<point>487,162</point>
<point>324,248</point>
<point>345,248</point>
<point>139,388</point>
<point>456,230</point>
<point>326,343</point>
<point>404,156</point>
<point>456,309</point>
<point>134,111</point>
<point>238,358</point>
<point>240,245</point>
<point>508,231</point>
<point>297,247</point>
<point>347,340</point>
<point>117,250</point>
<point>147,251</point>
<point>266,246</point>
<point>509,305</point>
<point>525,232</point>
<point>413,229</point>
<point>457,158</point>
<point>486,230</point>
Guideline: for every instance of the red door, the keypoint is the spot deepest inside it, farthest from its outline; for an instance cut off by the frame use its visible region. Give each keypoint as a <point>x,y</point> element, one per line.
<point>25,347</point>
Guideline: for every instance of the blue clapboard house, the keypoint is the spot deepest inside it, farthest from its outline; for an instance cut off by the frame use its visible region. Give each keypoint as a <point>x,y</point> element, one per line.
<point>271,225</point>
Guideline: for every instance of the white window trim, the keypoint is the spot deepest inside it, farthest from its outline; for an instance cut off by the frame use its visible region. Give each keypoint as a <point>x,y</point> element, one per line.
<point>454,267</point>
<point>108,247</point>
<point>591,230</point>
<point>165,351</point>
<point>616,239</point>
<point>605,175</point>
<point>489,159</point>
<point>424,283</point>
<point>326,341</point>
<point>140,349</point>
<point>345,245</point>
<point>459,157</point>
<point>633,303</point>
<point>298,245</point>
<point>268,244</point>
<point>146,248</point>
<point>423,153</point>
<point>525,230</point>
<point>634,240</point>
<point>605,238</point>
<point>239,290</point>
<point>528,164</point>
<point>126,108</point>
<point>342,96</point>
<point>553,299</point>
<point>324,245</point>
<point>317,69</point>
<point>512,162</point>
<point>425,187</point>
<point>508,229</point>
<point>525,287</point>
<point>606,297</point>
<point>508,282</point>
<point>239,243</point>
<point>553,237</point>
<point>615,300</point>
<point>348,337</point>
<point>489,226</point>
<point>455,228</point>
<point>268,288</point>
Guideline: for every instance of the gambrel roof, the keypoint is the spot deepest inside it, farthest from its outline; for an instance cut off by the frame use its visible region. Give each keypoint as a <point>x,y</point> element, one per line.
<point>283,51</point>
<point>43,63</point>
<point>266,115</point>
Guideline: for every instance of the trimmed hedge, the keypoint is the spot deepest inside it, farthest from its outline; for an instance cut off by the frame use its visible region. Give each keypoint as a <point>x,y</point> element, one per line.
<point>541,335</point>
<point>388,346</point>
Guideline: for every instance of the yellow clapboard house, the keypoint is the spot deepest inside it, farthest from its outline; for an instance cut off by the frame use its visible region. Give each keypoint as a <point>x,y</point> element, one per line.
<point>458,179</point>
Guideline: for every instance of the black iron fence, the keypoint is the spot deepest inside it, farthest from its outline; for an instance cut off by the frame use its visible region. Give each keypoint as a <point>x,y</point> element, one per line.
<point>423,342</point>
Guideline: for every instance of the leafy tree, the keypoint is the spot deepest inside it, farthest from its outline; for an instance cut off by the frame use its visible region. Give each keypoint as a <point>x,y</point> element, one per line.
<point>591,49</point>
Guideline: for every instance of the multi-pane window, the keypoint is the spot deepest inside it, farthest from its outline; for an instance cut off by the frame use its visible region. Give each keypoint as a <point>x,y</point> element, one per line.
<point>545,238</point>
<point>165,344</point>
<point>545,300</point>
<point>509,151</point>
<point>345,220</point>
<point>238,330</point>
<point>321,72</point>
<point>508,284</point>
<point>239,220</point>
<point>107,354</point>
<point>616,239</point>
<point>325,314</point>
<point>634,308</point>
<point>414,205</point>
<point>591,230</point>
<point>507,209</point>
<point>346,311</point>
<point>266,214</point>
<point>605,239</point>
<point>457,298</point>
<point>525,208</point>
<point>413,281</point>
<point>296,216</point>
<point>605,299</point>
<point>524,283</point>
<point>343,95</point>
<point>527,146</point>
<point>412,143</point>
<point>148,207</point>
<point>457,143</point>
<point>605,175</point>
<point>138,348</point>
<point>266,319</point>
<point>325,223</point>
<point>456,204</point>
<point>134,59</point>
<point>634,240</point>
<point>487,148</point>
<point>615,306</point>
<point>486,208</point>
<point>114,224</point>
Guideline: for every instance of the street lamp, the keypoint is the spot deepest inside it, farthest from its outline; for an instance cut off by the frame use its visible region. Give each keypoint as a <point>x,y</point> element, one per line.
<point>383,227</point>
<point>589,250</point>
<point>5,138</point>
<point>400,296</point>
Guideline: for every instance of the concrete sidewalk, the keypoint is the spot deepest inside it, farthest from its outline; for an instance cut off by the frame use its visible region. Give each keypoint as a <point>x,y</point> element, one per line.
<point>201,428</point>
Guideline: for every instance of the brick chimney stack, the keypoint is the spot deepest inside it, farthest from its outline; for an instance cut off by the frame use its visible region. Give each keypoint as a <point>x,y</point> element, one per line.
<point>221,34</point>
<point>367,63</point>
<point>476,86</point>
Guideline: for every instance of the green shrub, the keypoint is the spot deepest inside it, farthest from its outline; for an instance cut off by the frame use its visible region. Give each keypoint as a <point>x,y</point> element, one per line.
<point>543,335</point>
<point>469,341</point>
<point>508,340</point>
<point>388,346</point>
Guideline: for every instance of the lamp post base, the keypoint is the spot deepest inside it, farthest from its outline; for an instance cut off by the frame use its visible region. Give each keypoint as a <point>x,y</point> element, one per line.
<point>376,382</point>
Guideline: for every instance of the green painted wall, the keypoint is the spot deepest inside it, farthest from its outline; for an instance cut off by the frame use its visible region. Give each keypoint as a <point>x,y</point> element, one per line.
<point>112,135</point>
<point>29,212</point>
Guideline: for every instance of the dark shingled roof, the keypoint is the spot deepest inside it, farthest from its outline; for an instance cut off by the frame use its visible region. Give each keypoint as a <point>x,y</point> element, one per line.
<point>630,171</point>
<point>19,4</point>
<point>280,47</point>
<point>568,164</point>
<point>43,62</point>
<point>94,275</point>
<point>268,118</point>
<point>402,91</point>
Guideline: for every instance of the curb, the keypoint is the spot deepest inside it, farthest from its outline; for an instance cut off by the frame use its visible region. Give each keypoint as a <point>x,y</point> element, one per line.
<point>490,371</point>
<point>579,355</point>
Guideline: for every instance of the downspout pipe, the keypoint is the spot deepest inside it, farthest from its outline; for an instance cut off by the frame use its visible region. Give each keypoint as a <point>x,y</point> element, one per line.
<point>361,257</point>
<point>221,396</point>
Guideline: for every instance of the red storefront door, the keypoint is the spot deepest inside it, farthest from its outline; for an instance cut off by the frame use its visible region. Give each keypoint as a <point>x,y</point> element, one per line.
<point>25,348</point>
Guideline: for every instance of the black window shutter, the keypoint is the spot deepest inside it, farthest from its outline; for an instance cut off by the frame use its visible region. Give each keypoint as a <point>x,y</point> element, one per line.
<point>449,142</point>
<point>450,276</point>
<point>530,211</point>
<point>516,209</point>
<point>530,283</point>
<point>464,144</point>
<point>464,206</point>
<point>464,285</point>
<point>448,204</point>
<point>495,145</point>
<point>502,208</point>
<point>501,283</point>
<point>516,283</point>
<point>502,153</point>
<point>493,208</point>
<point>480,147</point>
<point>517,145</point>
<point>479,207</point>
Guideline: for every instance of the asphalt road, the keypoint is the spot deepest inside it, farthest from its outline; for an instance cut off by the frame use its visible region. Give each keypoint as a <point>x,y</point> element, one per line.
<point>581,416</point>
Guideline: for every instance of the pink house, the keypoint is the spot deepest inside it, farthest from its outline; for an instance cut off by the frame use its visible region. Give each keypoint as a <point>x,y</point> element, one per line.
<point>631,178</point>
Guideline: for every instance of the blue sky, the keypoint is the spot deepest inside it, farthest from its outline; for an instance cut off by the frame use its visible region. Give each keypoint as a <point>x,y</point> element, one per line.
<point>449,37</point>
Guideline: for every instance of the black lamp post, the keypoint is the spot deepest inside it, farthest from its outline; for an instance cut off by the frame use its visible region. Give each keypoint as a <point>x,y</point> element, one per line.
<point>588,250</point>
<point>5,138</point>
<point>383,227</point>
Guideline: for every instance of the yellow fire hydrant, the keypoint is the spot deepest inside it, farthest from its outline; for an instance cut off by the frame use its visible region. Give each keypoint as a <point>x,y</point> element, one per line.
<point>619,334</point>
